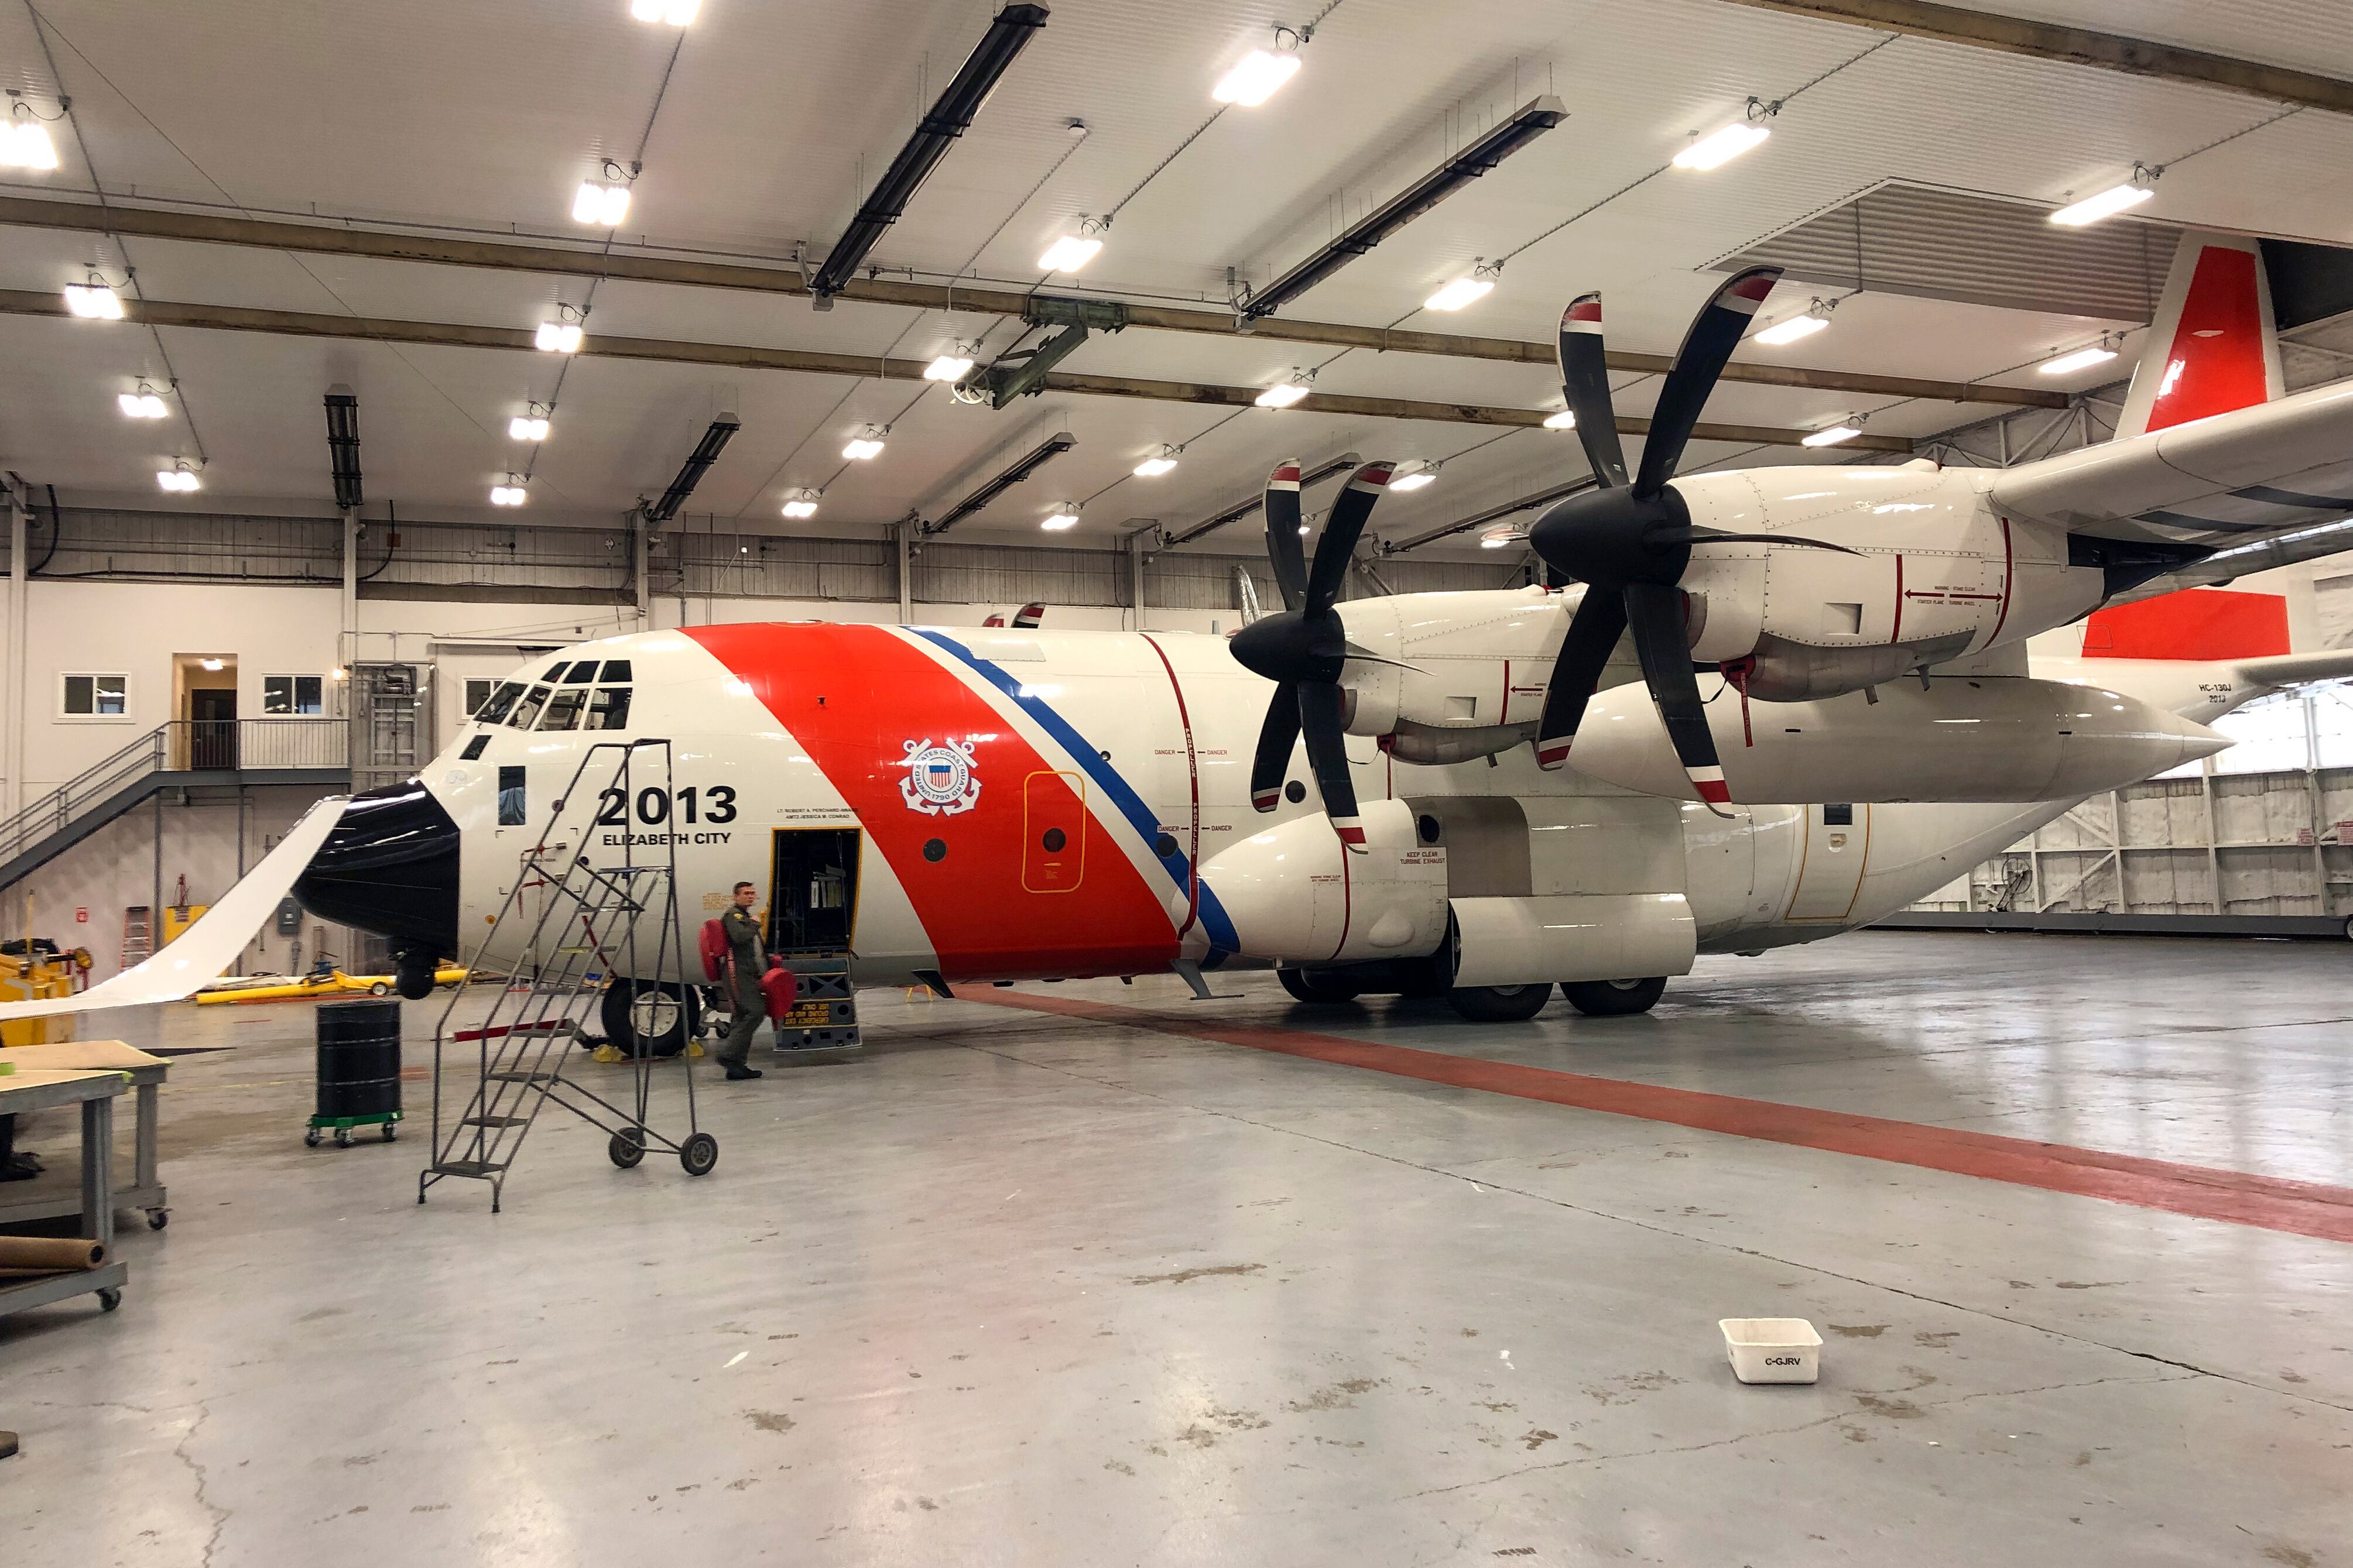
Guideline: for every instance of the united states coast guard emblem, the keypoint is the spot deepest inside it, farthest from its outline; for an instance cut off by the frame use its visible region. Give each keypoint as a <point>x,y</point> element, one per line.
<point>940,780</point>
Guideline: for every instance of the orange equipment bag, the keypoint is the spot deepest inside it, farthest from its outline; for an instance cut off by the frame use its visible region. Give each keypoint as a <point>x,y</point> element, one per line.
<point>780,986</point>
<point>715,950</point>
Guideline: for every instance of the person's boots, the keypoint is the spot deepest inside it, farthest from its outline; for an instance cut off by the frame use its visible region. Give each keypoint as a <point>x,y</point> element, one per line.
<point>737,1072</point>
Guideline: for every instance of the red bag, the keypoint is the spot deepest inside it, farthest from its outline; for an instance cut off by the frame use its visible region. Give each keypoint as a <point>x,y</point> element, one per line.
<point>715,950</point>
<point>781,988</point>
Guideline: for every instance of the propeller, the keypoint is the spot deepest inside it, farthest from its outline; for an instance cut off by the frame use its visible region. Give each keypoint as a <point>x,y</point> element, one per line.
<point>1630,541</point>
<point>1304,649</point>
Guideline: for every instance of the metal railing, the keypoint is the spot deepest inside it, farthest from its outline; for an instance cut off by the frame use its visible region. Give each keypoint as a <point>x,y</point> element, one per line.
<point>183,745</point>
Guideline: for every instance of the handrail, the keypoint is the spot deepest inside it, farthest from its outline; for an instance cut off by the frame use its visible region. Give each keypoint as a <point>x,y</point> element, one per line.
<point>180,745</point>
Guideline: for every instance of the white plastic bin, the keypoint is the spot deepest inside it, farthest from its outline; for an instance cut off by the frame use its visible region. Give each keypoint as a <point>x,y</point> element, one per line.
<point>1772,1350</point>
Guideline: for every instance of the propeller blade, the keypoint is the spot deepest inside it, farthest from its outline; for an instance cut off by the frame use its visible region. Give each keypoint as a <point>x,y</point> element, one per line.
<point>1707,347</point>
<point>1275,738</point>
<point>1584,382</point>
<point>1697,534</point>
<point>1327,753</point>
<point>1342,529</point>
<point>1655,611</point>
<point>1283,544</point>
<point>1593,631</point>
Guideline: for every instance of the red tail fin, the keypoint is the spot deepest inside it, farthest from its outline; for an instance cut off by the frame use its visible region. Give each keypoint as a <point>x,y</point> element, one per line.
<point>2213,346</point>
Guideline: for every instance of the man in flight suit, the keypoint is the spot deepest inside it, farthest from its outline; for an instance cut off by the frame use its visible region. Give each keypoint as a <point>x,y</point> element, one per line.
<point>747,959</point>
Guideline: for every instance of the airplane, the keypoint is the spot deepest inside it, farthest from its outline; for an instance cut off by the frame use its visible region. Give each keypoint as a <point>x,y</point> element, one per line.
<point>1475,796</point>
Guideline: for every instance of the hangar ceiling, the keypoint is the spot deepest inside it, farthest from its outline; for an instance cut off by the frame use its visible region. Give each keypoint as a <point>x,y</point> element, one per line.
<point>761,127</point>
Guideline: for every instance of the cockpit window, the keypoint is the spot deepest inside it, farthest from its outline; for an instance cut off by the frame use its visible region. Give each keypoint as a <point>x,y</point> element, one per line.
<point>617,672</point>
<point>494,708</point>
<point>582,673</point>
<point>609,708</point>
<point>527,710</point>
<point>564,709</point>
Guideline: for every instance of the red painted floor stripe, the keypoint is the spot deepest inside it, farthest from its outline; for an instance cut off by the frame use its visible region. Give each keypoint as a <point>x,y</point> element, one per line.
<point>2299,1208</point>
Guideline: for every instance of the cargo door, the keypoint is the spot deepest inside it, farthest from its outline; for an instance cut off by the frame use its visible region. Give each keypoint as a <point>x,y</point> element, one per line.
<point>1054,832</point>
<point>1829,871</point>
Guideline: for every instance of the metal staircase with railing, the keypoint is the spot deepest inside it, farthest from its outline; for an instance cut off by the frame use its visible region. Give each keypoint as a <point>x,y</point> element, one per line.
<point>579,920</point>
<point>186,754</point>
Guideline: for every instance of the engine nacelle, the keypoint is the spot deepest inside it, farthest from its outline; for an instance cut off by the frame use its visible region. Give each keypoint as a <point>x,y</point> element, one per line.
<point>1572,936</point>
<point>1294,894</point>
<point>1453,677</point>
<point>1964,739</point>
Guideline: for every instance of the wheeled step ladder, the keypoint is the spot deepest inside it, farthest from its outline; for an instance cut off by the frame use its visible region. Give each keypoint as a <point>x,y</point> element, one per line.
<point>582,922</point>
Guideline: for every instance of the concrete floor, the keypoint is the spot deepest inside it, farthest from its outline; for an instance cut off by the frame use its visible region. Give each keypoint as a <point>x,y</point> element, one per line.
<point>1025,1289</point>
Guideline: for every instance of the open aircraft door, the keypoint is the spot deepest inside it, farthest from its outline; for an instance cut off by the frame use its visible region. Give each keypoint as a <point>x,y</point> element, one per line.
<point>1830,870</point>
<point>813,900</point>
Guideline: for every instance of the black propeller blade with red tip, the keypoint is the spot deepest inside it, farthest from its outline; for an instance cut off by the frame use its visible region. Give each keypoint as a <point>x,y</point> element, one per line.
<point>1629,542</point>
<point>1304,649</point>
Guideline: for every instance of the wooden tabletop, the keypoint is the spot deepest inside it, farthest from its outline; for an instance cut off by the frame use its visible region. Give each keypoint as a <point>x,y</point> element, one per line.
<point>38,1089</point>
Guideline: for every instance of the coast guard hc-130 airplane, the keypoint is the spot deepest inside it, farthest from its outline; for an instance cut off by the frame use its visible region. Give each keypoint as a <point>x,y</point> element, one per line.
<point>1500,791</point>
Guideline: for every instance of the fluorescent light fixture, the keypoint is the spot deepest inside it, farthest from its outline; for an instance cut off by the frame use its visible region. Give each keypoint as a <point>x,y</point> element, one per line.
<point>677,13</point>
<point>2081,359</point>
<point>1063,519</point>
<point>1153,468</point>
<point>25,144</point>
<point>1831,437</point>
<point>2107,204</point>
<point>604,206</point>
<point>141,404</point>
<point>214,663</point>
<point>1069,253</point>
<point>1564,420</point>
<point>1255,80</point>
<point>506,495</point>
<point>180,479</point>
<point>948,367</point>
<point>1459,293</point>
<point>1416,480</point>
<point>1721,147</point>
<point>862,446</point>
<point>1790,330</point>
<point>1283,394</point>
<point>93,302</point>
<point>801,505</point>
<point>527,427</point>
<point>559,337</point>
<point>1498,540</point>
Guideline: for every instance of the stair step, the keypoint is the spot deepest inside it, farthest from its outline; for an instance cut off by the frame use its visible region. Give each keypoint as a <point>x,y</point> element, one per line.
<point>495,1121</point>
<point>466,1167</point>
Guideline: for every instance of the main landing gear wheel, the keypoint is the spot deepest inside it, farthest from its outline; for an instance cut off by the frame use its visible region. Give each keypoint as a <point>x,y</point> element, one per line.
<point>646,1018</point>
<point>1305,986</point>
<point>1498,1004</point>
<point>698,1154</point>
<point>1614,998</point>
<point>627,1148</point>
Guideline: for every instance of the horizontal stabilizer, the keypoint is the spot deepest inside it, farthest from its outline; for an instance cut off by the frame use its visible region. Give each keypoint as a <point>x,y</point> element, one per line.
<point>208,947</point>
<point>2296,668</point>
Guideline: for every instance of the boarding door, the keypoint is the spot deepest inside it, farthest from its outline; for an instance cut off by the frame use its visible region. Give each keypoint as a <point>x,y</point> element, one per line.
<point>813,901</point>
<point>1829,872</point>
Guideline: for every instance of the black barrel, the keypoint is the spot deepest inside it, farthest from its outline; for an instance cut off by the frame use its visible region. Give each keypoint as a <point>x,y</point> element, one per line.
<point>359,1058</point>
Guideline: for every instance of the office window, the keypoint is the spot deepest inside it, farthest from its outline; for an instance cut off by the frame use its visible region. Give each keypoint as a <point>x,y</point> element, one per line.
<point>511,797</point>
<point>298,695</point>
<point>477,693</point>
<point>95,697</point>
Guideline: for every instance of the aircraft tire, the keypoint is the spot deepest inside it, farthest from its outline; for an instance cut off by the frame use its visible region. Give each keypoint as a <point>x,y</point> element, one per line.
<point>1312,988</point>
<point>617,1009</point>
<point>1498,1004</point>
<point>1614,998</point>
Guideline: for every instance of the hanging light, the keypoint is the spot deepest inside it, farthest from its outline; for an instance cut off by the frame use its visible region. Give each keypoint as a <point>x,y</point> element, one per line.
<point>508,494</point>
<point>801,504</point>
<point>2108,203</point>
<point>93,300</point>
<point>1152,468</point>
<point>178,478</point>
<point>2081,359</point>
<point>1501,537</point>
<point>1830,437</point>
<point>677,13</point>
<point>950,367</point>
<point>560,337</point>
<point>1070,253</point>
<point>602,206</point>
<point>1283,394</point>
<point>1414,478</point>
<point>1467,290</point>
<point>1063,519</point>
<point>25,144</point>
<point>1721,147</point>
<point>1815,317</point>
<point>1564,420</point>
<point>1254,81</point>
<point>531,426</point>
<point>141,403</point>
<point>867,444</point>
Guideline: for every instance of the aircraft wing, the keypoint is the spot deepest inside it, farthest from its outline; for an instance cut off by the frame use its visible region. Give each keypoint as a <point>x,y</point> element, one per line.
<point>220,933</point>
<point>2241,478</point>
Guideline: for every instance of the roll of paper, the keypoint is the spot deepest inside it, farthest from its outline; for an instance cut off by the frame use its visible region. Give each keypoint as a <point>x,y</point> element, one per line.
<point>50,1253</point>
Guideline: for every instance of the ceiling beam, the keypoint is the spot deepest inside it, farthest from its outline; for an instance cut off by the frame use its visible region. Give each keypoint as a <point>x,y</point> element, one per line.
<point>747,356</point>
<point>506,255</point>
<point>2078,45</point>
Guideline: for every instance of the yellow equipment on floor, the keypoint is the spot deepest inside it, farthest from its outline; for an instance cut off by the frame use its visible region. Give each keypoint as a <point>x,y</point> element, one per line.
<point>36,977</point>
<point>334,982</point>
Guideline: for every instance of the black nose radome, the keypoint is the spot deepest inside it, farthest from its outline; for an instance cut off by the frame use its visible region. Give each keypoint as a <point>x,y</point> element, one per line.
<point>390,866</point>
